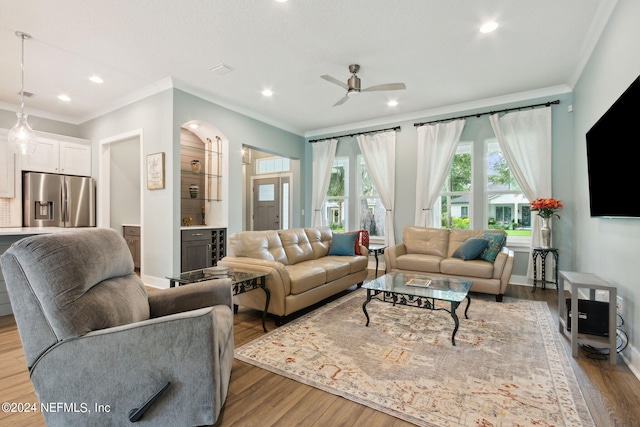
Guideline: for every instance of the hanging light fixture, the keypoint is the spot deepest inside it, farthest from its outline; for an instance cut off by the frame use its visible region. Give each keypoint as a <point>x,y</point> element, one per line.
<point>21,137</point>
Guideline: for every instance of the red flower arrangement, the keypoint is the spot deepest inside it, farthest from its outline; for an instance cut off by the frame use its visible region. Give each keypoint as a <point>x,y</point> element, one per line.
<point>546,208</point>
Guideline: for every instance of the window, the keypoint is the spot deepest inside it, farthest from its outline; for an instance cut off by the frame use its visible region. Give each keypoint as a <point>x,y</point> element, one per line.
<point>272,165</point>
<point>371,212</point>
<point>507,207</point>
<point>336,202</point>
<point>480,173</point>
<point>456,195</point>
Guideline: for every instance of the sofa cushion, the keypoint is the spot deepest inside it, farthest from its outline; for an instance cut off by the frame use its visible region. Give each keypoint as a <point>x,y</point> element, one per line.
<point>356,263</point>
<point>361,239</point>
<point>472,268</point>
<point>470,249</point>
<point>496,242</point>
<point>320,240</point>
<point>419,262</point>
<point>296,245</point>
<point>258,244</point>
<point>426,241</point>
<point>305,276</point>
<point>343,244</point>
<point>334,267</point>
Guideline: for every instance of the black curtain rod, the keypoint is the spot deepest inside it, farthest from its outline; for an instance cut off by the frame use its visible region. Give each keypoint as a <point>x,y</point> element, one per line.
<point>544,104</point>
<point>356,134</point>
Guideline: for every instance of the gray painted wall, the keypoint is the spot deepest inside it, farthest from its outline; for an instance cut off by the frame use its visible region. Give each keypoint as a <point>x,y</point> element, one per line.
<point>8,119</point>
<point>609,247</point>
<point>477,129</point>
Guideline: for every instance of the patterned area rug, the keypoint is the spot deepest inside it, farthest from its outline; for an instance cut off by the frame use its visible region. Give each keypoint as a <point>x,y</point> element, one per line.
<point>507,368</point>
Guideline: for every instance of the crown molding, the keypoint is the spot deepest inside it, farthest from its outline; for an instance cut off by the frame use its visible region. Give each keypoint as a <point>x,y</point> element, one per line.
<point>439,111</point>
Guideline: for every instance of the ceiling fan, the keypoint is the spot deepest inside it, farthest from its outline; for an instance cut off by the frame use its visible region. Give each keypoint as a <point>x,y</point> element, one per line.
<point>353,85</point>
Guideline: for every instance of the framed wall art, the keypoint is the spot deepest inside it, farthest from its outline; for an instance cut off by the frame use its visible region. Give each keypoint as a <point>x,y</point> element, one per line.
<point>155,171</point>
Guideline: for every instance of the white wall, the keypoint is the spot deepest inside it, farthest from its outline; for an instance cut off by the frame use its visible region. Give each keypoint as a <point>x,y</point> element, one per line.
<point>609,247</point>
<point>154,116</point>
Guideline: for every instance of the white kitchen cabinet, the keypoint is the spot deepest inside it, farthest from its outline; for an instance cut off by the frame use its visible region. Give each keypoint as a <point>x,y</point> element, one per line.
<point>7,169</point>
<point>75,159</point>
<point>64,157</point>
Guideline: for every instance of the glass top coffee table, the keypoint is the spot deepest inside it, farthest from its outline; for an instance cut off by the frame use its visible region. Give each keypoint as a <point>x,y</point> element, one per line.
<point>419,291</point>
<point>241,281</point>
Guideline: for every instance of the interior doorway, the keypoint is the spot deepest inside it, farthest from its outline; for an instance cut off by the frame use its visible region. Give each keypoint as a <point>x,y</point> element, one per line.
<point>120,184</point>
<point>268,181</point>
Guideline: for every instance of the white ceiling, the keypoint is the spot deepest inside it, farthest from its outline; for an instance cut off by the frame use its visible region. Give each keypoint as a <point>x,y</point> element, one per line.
<point>141,46</point>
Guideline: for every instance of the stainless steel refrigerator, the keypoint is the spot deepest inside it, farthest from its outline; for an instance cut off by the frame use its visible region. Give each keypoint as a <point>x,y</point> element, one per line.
<point>51,200</point>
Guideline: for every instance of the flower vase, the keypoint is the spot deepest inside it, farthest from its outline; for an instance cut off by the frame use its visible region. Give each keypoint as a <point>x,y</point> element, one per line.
<point>545,233</point>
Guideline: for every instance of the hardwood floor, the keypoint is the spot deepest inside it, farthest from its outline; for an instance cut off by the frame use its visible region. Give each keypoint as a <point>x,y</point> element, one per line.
<point>259,398</point>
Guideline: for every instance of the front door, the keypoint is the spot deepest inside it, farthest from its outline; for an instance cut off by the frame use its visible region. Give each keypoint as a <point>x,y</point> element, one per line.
<point>266,204</point>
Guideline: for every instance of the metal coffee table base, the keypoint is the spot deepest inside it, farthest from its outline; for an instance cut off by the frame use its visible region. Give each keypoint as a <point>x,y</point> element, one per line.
<point>416,301</point>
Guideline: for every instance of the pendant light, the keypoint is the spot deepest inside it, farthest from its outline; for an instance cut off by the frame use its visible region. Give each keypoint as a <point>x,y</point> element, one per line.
<point>21,137</point>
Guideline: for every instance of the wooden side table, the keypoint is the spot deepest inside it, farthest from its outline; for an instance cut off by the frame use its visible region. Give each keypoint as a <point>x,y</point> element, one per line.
<point>542,254</point>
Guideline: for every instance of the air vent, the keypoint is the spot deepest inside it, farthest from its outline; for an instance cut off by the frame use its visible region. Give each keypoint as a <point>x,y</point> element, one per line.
<point>222,69</point>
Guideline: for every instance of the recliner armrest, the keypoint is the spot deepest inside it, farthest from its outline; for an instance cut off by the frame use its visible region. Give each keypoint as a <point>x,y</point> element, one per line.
<point>190,297</point>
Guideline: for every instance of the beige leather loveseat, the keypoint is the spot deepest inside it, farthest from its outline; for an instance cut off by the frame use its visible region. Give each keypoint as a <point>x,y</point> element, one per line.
<point>430,252</point>
<point>301,273</point>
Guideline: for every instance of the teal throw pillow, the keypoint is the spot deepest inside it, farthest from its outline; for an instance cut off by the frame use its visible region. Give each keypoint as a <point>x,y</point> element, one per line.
<point>342,244</point>
<point>471,248</point>
<point>496,242</point>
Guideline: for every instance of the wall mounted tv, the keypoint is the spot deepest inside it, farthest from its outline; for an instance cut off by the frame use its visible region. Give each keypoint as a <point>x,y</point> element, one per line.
<point>613,165</point>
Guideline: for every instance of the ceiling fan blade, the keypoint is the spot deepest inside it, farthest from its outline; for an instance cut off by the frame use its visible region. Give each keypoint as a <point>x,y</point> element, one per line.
<point>335,81</point>
<point>342,100</point>
<point>387,86</point>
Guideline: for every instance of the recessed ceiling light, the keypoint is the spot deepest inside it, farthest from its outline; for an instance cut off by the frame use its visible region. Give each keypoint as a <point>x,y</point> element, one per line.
<point>96,79</point>
<point>64,98</point>
<point>488,27</point>
<point>281,1</point>
<point>392,103</point>
<point>267,92</point>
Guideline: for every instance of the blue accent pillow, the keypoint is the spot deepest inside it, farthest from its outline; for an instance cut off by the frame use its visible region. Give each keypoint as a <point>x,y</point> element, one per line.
<point>471,248</point>
<point>496,243</point>
<point>342,244</point>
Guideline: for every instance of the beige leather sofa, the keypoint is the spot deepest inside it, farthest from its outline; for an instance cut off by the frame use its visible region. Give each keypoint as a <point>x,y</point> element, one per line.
<point>428,251</point>
<point>301,273</point>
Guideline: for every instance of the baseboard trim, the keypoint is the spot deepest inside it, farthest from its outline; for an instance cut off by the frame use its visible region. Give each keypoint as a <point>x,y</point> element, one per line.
<point>631,358</point>
<point>156,282</point>
<point>520,280</point>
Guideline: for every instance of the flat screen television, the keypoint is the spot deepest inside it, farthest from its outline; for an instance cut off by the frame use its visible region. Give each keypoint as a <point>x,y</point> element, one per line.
<point>613,164</point>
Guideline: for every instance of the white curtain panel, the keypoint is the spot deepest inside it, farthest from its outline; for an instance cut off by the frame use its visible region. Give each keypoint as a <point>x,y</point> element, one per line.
<point>525,141</point>
<point>323,152</point>
<point>379,153</point>
<point>436,149</point>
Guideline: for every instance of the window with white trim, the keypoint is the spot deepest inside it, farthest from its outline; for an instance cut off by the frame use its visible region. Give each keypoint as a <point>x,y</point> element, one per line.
<point>481,173</point>
<point>506,205</point>
<point>457,191</point>
<point>337,198</point>
<point>371,212</point>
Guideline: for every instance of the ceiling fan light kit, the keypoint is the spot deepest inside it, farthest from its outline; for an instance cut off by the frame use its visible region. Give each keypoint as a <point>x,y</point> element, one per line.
<point>353,85</point>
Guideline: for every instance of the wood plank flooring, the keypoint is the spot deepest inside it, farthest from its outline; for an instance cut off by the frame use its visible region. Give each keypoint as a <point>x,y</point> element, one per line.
<point>259,398</point>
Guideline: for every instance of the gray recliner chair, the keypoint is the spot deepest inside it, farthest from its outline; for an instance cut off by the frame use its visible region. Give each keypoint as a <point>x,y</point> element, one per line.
<point>101,350</point>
